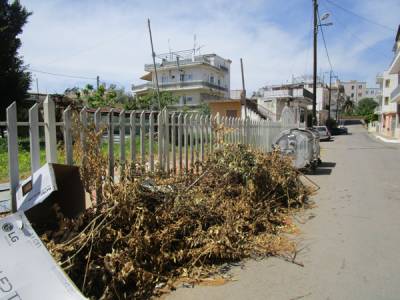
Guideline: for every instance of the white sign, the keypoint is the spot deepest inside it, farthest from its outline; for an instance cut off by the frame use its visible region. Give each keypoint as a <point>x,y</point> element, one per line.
<point>36,188</point>
<point>27,270</point>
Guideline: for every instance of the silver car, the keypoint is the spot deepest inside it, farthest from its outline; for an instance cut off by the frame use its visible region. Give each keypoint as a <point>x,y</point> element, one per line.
<point>324,134</point>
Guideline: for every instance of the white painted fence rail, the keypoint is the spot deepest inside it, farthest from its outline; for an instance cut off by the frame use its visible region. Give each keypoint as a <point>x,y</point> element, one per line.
<point>166,141</point>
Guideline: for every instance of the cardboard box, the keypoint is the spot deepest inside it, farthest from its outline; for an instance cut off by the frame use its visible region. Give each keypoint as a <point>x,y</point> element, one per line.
<point>27,270</point>
<point>57,184</point>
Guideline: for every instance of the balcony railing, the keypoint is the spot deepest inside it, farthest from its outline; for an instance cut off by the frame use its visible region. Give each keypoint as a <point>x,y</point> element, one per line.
<point>179,85</point>
<point>183,62</point>
<point>288,93</point>
<point>395,94</point>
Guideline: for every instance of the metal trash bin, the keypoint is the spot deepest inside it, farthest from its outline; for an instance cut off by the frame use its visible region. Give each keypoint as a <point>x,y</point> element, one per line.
<point>300,145</point>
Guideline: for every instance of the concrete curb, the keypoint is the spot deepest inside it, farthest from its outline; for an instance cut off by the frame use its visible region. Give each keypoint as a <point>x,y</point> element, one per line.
<point>387,140</point>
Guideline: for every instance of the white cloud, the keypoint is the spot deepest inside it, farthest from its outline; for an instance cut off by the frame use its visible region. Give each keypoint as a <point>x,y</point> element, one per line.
<point>110,39</point>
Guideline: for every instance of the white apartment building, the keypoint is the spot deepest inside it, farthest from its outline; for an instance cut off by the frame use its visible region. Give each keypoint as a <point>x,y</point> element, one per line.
<point>390,82</point>
<point>357,90</point>
<point>193,78</point>
<point>271,101</point>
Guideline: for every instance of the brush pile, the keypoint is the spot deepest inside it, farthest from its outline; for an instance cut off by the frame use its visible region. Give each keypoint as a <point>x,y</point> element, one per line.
<point>148,232</point>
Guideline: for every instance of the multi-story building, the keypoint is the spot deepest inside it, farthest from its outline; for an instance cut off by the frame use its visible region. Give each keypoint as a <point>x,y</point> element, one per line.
<point>193,78</point>
<point>357,90</point>
<point>271,100</point>
<point>393,74</point>
<point>389,108</point>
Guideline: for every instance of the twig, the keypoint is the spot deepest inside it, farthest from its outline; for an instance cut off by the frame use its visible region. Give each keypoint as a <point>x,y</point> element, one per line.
<point>196,181</point>
<point>88,262</point>
<point>309,179</point>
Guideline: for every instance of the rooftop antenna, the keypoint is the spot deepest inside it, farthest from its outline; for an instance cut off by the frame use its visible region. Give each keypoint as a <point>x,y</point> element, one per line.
<point>169,49</point>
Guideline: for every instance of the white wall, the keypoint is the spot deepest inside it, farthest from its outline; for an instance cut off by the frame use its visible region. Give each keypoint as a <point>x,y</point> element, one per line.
<point>386,91</point>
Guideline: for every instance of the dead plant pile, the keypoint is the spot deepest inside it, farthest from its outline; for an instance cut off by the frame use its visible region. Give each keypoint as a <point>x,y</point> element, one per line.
<point>149,231</point>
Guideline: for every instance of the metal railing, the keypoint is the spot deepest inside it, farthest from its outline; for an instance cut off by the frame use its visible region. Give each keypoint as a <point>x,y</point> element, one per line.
<point>395,94</point>
<point>166,141</point>
<point>181,84</point>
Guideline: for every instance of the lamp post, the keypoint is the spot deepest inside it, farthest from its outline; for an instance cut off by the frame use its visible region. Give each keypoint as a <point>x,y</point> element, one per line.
<point>315,42</point>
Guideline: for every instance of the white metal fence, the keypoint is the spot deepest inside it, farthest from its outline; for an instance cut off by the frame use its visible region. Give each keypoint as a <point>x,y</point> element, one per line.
<point>167,141</point>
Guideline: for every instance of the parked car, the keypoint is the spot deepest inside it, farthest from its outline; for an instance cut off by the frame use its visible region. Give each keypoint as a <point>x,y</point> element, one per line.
<point>324,134</point>
<point>339,130</point>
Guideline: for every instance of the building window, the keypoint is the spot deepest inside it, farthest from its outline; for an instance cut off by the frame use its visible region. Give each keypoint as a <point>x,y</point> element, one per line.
<point>211,79</point>
<point>182,77</point>
<point>360,86</point>
<point>352,87</point>
<point>366,92</point>
<point>359,94</point>
<point>219,82</point>
<point>387,83</point>
<point>189,76</point>
<point>231,113</point>
<point>352,95</point>
<point>189,99</point>
<point>386,100</point>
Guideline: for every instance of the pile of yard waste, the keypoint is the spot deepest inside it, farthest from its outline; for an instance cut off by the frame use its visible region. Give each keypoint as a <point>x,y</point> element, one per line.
<point>150,231</point>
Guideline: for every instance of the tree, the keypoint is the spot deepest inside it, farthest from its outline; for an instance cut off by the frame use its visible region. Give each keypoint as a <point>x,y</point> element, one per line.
<point>14,79</point>
<point>366,106</point>
<point>150,100</point>
<point>348,106</point>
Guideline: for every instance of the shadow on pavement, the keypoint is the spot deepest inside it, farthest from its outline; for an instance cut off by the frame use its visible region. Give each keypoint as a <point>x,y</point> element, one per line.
<point>325,168</point>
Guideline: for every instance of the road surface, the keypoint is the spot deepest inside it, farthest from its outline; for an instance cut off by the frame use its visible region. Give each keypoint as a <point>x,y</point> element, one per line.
<point>352,245</point>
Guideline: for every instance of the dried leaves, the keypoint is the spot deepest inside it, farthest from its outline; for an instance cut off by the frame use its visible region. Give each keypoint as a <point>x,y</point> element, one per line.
<point>148,232</point>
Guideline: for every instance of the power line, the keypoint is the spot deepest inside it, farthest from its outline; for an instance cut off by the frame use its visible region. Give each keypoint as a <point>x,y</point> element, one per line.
<point>323,38</point>
<point>61,75</point>
<point>337,19</point>
<point>361,17</point>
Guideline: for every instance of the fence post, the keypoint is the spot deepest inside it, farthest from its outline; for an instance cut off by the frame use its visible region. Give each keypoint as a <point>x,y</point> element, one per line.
<point>186,133</point>
<point>142,140</point>
<point>151,138</point>
<point>173,142</point>
<point>201,138</point>
<point>50,130</point>
<point>210,121</point>
<point>111,144</point>
<point>180,142</point>
<point>166,140</point>
<point>132,119</point>
<point>68,136</point>
<point>12,141</point>
<point>34,137</point>
<point>122,141</point>
<point>160,140</point>
<point>83,119</point>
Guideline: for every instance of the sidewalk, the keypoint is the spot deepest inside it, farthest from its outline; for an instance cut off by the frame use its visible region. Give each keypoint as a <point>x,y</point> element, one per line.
<point>385,138</point>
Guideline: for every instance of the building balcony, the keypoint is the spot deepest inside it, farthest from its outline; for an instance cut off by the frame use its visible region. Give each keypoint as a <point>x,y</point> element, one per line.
<point>379,78</point>
<point>395,65</point>
<point>289,93</point>
<point>179,85</point>
<point>395,94</point>
<point>197,60</point>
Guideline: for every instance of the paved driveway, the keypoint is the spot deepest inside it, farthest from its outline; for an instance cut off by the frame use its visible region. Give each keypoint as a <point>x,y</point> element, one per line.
<point>352,245</point>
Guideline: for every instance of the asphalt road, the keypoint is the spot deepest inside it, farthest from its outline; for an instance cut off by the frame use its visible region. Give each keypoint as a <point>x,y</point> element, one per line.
<point>352,241</point>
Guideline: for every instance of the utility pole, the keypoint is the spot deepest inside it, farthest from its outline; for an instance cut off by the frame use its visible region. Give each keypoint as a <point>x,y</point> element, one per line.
<point>314,108</point>
<point>243,91</point>
<point>97,82</point>
<point>154,64</point>
<point>330,94</point>
<point>37,89</point>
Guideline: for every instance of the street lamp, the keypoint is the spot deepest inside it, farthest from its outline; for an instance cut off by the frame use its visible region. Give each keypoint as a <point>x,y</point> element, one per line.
<point>316,26</point>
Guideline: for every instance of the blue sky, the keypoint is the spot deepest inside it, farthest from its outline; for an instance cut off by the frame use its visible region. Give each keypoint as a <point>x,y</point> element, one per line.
<point>110,38</point>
